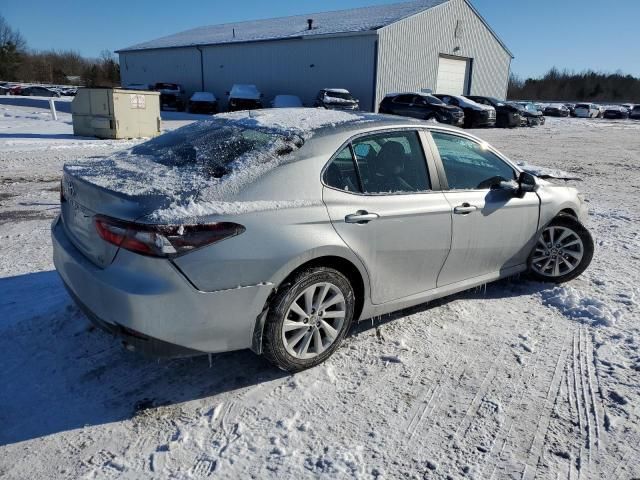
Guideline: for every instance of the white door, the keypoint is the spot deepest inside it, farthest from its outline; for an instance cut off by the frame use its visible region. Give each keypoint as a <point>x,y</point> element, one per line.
<point>453,76</point>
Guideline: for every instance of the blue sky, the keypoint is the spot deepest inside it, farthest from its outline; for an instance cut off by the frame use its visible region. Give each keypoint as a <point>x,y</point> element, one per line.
<point>573,34</point>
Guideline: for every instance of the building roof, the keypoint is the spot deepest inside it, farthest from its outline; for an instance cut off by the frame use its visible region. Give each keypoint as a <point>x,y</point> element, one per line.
<point>355,20</point>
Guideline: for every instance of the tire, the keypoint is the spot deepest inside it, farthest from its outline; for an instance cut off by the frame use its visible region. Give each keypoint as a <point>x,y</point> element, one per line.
<point>562,252</point>
<point>285,350</point>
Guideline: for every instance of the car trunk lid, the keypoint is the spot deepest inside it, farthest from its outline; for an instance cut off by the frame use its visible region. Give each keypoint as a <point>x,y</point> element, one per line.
<point>83,201</point>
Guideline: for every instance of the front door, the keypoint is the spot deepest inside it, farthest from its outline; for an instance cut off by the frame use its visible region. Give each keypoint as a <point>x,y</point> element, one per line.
<point>492,228</point>
<point>380,198</point>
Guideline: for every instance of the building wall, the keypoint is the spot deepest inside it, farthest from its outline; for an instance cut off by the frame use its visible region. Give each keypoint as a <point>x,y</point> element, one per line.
<point>275,67</point>
<point>174,65</point>
<point>409,51</point>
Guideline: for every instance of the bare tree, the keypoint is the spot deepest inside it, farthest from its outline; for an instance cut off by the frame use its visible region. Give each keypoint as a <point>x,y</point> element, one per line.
<point>12,47</point>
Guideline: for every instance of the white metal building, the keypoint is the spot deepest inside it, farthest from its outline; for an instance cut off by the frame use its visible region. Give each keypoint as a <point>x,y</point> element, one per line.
<point>440,45</point>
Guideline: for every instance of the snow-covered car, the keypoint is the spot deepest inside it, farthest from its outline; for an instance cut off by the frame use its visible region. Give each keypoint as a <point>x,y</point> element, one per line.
<point>276,229</point>
<point>635,113</point>
<point>244,97</point>
<point>587,110</point>
<point>37,91</point>
<point>171,96</point>
<point>69,92</point>
<point>475,114</point>
<point>336,99</point>
<point>556,110</point>
<point>286,101</point>
<point>615,112</point>
<point>203,102</point>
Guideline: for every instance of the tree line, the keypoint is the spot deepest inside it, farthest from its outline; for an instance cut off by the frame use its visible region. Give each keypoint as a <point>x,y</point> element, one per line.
<point>21,64</point>
<point>588,86</point>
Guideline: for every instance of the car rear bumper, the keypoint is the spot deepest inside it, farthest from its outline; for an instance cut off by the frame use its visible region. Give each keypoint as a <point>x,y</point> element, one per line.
<point>149,303</point>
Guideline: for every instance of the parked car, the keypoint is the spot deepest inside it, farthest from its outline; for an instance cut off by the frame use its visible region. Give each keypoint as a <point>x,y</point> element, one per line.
<point>37,91</point>
<point>635,113</point>
<point>203,102</point>
<point>587,110</point>
<point>530,114</point>
<point>244,97</point>
<point>336,99</point>
<point>507,116</point>
<point>353,235</point>
<point>628,106</point>
<point>475,114</point>
<point>15,89</point>
<point>556,110</point>
<point>4,90</point>
<point>171,96</point>
<point>572,109</point>
<point>422,106</point>
<point>286,101</point>
<point>69,92</point>
<point>615,112</point>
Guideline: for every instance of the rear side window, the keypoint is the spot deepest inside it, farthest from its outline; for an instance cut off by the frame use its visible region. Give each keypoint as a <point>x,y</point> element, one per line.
<point>341,172</point>
<point>403,99</point>
<point>470,166</point>
<point>392,163</point>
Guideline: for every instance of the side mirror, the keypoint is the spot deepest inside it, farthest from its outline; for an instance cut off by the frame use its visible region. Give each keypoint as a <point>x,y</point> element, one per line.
<point>527,183</point>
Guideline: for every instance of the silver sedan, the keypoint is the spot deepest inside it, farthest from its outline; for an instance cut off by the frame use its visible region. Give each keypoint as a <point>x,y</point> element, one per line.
<point>275,230</point>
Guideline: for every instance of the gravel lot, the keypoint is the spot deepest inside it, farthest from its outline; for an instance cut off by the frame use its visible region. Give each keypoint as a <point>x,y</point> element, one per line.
<point>517,380</point>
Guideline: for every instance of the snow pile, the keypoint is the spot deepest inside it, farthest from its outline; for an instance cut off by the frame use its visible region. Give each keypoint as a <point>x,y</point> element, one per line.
<point>193,209</point>
<point>574,304</point>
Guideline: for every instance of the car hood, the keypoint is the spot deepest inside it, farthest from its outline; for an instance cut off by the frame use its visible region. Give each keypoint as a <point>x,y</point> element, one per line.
<point>546,173</point>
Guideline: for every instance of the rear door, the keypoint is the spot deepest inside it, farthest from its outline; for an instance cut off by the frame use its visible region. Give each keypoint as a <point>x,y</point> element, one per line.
<point>383,197</point>
<point>493,229</point>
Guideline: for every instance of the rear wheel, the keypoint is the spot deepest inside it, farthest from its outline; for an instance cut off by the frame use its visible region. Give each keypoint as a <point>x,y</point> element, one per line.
<point>308,319</point>
<point>563,251</point>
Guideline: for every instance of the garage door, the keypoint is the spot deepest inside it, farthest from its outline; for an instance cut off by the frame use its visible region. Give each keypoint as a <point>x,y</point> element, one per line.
<point>453,76</point>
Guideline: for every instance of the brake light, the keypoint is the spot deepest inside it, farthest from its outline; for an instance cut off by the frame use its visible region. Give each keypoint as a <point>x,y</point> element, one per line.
<point>163,240</point>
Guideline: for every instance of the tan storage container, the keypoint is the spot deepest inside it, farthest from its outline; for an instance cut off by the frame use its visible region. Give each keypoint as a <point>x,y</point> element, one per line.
<point>116,113</point>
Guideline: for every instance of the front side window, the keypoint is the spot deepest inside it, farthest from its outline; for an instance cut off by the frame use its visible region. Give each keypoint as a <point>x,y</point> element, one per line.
<point>469,165</point>
<point>392,163</point>
<point>403,99</point>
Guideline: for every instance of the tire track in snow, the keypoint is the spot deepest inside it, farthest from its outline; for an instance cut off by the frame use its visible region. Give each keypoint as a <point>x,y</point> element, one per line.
<point>539,438</point>
<point>584,398</point>
<point>528,382</point>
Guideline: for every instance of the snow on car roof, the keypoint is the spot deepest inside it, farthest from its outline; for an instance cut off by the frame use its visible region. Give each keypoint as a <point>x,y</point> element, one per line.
<point>203,97</point>
<point>249,92</point>
<point>324,23</point>
<point>336,90</point>
<point>467,102</point>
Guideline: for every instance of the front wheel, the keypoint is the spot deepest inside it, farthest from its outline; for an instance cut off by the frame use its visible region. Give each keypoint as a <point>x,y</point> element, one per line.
<point>563,251</point>
<point>308,319</point>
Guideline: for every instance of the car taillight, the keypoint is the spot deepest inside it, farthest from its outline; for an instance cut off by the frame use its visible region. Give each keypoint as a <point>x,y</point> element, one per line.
<point>163,240</point>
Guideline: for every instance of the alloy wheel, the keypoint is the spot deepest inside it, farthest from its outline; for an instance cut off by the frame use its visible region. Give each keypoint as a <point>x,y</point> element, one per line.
<point>314,320</point>
<point>558,252</point>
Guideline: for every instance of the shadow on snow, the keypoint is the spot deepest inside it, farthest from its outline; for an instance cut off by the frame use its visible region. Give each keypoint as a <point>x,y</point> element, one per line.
<point>59,373</point>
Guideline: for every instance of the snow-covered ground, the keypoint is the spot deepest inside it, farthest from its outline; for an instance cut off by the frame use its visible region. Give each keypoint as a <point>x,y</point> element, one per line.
<point>519,380</point>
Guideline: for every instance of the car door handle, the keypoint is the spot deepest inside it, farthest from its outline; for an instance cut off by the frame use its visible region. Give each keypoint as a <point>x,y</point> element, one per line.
<point>361,217</point>
<point>464,209</point>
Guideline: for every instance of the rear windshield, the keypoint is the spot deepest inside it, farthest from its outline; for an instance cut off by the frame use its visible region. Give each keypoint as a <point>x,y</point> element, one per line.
<point>217,149</point>
<point>582,105</point>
